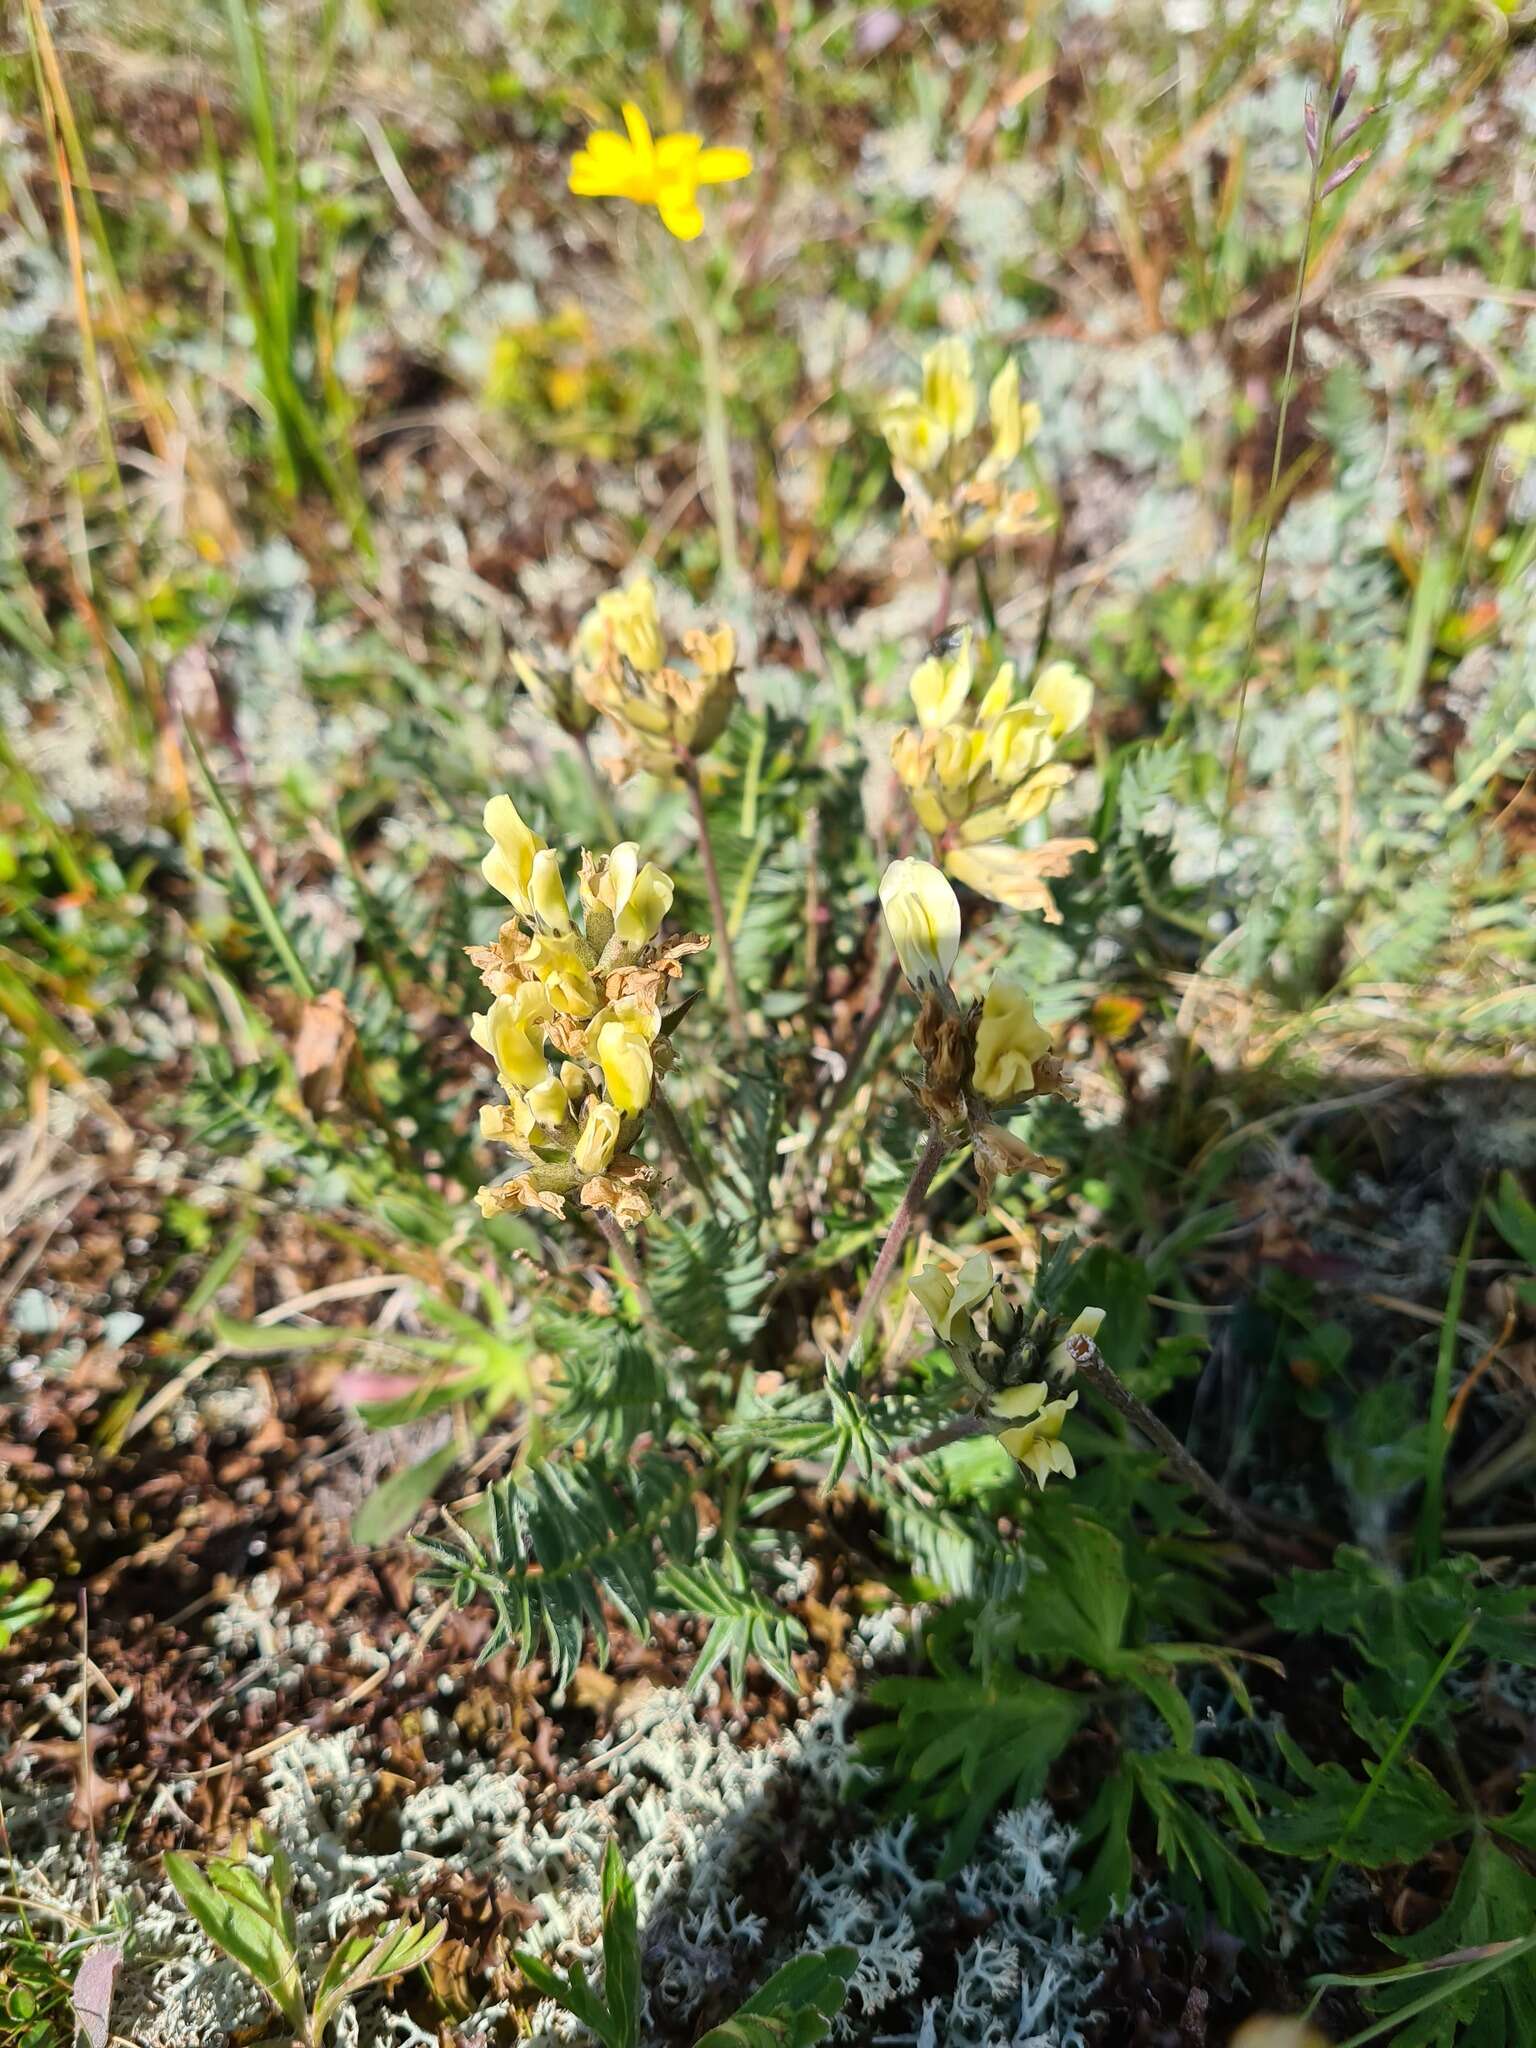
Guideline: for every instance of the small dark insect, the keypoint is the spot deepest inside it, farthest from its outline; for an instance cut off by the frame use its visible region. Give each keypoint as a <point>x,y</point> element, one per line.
<point>947,642</point>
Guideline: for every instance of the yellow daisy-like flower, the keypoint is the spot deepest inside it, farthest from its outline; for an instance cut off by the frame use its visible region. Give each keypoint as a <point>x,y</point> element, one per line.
<point>664,171</point>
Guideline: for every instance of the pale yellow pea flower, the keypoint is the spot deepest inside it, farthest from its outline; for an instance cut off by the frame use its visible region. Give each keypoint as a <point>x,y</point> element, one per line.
<point>511,1031</point>
<point>949,388</point>
<point>546,892</point>
<point>624,1054</point>
<point>508,867</point>
<point>1037,1446</point>
<point>949,1300</point>
<point>922,915</point>
<point>1009,1040</point>
<point>566,979</point>
<point>599,1135</point>
<point>549,1103</point>
<point>1065,695</point>
<point>939,688</point>
<point>639,897</point>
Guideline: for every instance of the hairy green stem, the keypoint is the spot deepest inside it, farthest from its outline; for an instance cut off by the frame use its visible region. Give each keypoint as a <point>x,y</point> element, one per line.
<point>1314,193</point>
<point>627,1260</point>
<point>1090,1365</point>
<point>670,1124</point>
<point>907,1212</point>
<point>601,800</point>
<point>688,768</point>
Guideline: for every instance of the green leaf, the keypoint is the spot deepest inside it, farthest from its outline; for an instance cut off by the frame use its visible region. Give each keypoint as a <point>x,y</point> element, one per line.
<point>364,1959</point>
<point>1078,1605</point>
<point>744,1623</point>
<point>395,1503</point>
<point>21,1605</point>
<point>1203,1868</point>
<point>272,1340</point>
<point>1514,1217</point>
<point>1402,1627</point>
<point>960,1748</point>
<point>621,1948</point>
<point>244,1922</point>
<point>1410,1814</point>
<point>1105,1885</point>
<point>794,2009</point>
<point>576,1995</point>
<point>565,1540</point>
<point>1494,1901</point>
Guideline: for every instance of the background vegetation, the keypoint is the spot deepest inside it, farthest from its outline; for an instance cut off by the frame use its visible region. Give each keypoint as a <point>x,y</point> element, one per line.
<point>323,397</point>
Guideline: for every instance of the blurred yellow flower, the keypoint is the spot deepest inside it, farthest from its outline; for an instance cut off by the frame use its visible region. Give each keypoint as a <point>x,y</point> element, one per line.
<point>624,623</point>
<point>657,710</point>
<point>949,389</point>
<point>664,171</point>
<point>954,478</point>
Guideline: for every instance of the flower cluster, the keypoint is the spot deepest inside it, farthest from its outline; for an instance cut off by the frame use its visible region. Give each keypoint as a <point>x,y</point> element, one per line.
<point>977,770</point>
<point>660,713</point>
<point>953,478</point>
<point>980,1063</point>
<point>991,1344</point>
<point>665,171</point>
<point>576,1025</point>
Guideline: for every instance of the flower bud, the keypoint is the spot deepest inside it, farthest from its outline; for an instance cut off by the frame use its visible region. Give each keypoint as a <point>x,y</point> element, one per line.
<point>599,1135</point>
<point>949,389</point>
<point>508,866</point>
<point>546,892</point>
<point>624,1055</point>
<point>922,915</point>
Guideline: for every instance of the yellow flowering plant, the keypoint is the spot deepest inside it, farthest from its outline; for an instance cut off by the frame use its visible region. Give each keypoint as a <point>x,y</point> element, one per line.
<point>998,1350</point>
<point>956,476</point>
<point>981,1062</point>
<point>577,1025</point>
<point>663,715</point>
<point>980,764</point>
<point>667,173</point>
<point>664,171</point>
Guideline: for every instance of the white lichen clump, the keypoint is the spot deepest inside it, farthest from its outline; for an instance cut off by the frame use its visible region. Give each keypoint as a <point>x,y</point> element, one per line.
<point>702,1822</point>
